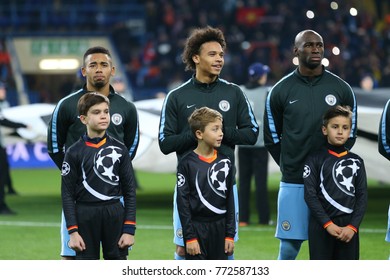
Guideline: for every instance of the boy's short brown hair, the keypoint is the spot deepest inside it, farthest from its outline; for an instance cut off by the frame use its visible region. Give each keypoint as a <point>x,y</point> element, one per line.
<point>336,111</point>
<point>201,117</point>
<point>90,99</point>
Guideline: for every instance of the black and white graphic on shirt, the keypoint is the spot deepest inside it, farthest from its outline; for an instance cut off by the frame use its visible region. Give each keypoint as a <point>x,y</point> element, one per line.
<point>217,177</point>
<point>105,162</point>
<point>343,173</point>
<point>104,165</point>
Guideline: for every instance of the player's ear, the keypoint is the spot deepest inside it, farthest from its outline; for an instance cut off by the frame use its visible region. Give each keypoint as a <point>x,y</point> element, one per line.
<point>195,58</point>
<point>324,130</point>
<point>83,119</point>
<point>199,134</point>
<point>83,71</point>
<point>295,51</point>
<point>113,71</point>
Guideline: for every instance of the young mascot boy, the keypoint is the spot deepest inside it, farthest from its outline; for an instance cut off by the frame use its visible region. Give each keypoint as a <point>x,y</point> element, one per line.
<point>205,192</point>
<point>335,188</point>
<point>96,173</point>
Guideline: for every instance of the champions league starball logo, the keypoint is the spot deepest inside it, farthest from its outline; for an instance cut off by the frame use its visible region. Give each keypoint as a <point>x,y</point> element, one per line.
<point>65,169</point>
<point>217,176</point>
<point>105,161</point>
<point>306,171</point>
<point>181,180</point>
<point>344,172</point>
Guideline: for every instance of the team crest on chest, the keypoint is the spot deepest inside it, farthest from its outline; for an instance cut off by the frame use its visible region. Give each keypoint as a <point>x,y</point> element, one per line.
<point>330,99</point>
<point>116,119</point>
<point>224,105</point>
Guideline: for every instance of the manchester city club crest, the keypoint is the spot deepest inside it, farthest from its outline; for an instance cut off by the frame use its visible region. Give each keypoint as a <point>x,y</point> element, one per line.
<point>179,233</point>
<point>224,105</point>
<point>116,119</point>
<point>330,99</point>
<point>286,225</point>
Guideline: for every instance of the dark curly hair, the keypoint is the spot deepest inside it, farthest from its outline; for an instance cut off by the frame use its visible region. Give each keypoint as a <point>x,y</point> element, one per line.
<point>197,38</point>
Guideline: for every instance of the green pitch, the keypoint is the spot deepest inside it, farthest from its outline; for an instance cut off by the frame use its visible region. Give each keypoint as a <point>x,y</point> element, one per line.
<point>34,233</point>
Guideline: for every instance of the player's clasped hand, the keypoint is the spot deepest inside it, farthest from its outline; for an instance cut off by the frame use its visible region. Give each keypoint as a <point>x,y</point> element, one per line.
<point>126,241</point>
<point>229,247</point>
<point>193,248</point>
<point>76,242</point>
<point>344,234</point>
<point>334,230</point>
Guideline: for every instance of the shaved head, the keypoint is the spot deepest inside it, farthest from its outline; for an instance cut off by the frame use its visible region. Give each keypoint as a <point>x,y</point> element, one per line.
<point>309,49</point>
<point>303,34</point>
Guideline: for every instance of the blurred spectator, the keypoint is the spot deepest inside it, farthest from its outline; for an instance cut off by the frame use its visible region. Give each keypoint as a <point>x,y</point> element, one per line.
<point>253,159</point>
<point>4,104</point>
<point>367,82</point>
<point>260,30</point>
<point>5,178</point>
<point>120,87</point>
<point>3,96</point>
<point>160,95</point>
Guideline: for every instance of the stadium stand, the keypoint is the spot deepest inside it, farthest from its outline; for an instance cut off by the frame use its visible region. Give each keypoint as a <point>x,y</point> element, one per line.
<point>149,35</point>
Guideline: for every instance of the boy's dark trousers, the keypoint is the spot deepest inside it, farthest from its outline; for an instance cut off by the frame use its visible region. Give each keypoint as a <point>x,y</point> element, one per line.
<point>323,246</point>
<point>211,238</point>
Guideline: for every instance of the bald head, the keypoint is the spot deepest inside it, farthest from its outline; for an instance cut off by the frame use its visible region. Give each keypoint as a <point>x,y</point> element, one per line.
<point>309,49</point>
<point>303,35</point>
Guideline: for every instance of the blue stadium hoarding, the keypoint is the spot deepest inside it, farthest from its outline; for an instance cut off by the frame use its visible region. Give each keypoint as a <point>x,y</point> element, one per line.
<point>29,155</point>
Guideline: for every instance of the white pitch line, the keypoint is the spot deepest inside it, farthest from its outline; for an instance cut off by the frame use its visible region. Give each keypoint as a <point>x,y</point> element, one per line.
<point>28,224</point>
<point>156,227</point>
